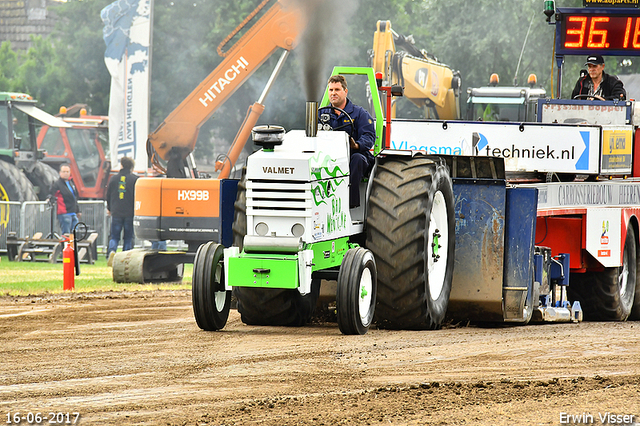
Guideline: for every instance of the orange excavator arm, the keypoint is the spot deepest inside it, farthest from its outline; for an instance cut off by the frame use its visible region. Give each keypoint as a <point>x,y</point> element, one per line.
<point>279,27</point>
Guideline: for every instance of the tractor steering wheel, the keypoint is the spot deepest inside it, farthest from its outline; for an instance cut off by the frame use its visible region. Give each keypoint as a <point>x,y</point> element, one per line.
<point>324,119</point>
<point>583,95</point>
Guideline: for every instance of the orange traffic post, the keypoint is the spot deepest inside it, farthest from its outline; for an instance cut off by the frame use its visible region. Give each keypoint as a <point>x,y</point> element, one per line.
<point>68,261</point>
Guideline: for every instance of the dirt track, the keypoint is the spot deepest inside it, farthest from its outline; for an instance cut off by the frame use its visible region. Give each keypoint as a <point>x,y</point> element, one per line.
<point>141,359</point>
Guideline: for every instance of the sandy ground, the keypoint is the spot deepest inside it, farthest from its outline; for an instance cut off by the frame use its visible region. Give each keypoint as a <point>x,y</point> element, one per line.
<point>139,358</point>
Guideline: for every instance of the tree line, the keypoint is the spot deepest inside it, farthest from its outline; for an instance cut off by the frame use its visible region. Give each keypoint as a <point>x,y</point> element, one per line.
<point>476,38</point>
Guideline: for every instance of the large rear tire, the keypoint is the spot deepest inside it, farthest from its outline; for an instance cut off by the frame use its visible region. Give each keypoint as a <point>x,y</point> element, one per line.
<point>609,295</point>
<point>43,177</point>
<point>28,193</point>
<point>635,309</point>
<point>10,189</point>
<point>356,295</point>
<point>411,232</point>
<point>211,303</point>
<point>239,226</point>
<point>266,306</point>
<point>14,185</point>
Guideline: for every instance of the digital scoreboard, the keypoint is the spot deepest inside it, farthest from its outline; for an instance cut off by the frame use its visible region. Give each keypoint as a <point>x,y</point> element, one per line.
<point>613,32</point>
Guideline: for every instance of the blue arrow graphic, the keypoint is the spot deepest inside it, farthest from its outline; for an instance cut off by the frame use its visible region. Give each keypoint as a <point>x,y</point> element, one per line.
<point>583,161</point>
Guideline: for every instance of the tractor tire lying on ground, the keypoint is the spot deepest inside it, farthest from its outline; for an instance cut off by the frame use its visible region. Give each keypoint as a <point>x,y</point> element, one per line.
<point>411,232</point>
<point>266,306</point>
<point>43,177</point>
<point>609,295</point>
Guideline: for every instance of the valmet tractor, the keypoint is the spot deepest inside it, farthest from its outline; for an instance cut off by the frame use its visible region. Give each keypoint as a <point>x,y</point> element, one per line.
<point>392,258</point>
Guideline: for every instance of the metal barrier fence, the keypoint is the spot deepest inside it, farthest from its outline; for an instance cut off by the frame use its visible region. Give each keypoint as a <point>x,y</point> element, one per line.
<point>30,217</point>
<point>94,215</point>
<point>9,221</point>
<point>27,218</point>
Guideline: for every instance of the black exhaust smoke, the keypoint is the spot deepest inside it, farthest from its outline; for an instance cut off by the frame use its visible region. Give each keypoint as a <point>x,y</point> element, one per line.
<point>313,45</point>
<point>315,41</point>
<point>328,22</point>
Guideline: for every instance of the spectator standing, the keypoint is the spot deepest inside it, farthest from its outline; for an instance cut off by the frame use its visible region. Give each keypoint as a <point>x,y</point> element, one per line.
<point>65,195</point>
<point>120,199</point>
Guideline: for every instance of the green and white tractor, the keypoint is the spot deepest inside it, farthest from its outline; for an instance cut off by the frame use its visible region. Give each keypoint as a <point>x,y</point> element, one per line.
<point>392,257</point>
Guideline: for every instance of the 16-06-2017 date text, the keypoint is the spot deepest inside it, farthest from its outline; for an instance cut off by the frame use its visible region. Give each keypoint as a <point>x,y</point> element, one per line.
<point>48,418</point>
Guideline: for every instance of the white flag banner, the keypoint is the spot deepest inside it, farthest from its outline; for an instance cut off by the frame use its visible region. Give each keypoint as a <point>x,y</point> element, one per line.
<point>127,34</point>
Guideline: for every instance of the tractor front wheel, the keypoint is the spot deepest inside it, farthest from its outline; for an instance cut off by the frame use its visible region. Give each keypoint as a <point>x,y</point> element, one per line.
<point>211,303</point>
<point>356,295</point>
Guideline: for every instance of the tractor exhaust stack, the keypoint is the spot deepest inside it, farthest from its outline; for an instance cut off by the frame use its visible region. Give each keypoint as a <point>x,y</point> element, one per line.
<point>311,119</point>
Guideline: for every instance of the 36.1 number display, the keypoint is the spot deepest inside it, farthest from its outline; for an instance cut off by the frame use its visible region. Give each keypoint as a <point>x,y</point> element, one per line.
<point>599,33</point>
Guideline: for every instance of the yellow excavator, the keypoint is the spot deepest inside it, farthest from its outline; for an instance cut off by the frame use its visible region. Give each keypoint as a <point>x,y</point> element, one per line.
<point>431,85</point>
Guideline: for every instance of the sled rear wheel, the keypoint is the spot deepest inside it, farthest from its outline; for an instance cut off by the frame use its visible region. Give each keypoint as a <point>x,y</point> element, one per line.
<point>609,295</point>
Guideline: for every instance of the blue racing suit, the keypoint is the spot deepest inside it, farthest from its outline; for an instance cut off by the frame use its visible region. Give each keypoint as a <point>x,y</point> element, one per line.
<point>364,133</point>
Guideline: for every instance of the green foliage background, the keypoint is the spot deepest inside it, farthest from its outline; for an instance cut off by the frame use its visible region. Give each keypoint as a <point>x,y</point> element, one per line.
<point>477,38</point>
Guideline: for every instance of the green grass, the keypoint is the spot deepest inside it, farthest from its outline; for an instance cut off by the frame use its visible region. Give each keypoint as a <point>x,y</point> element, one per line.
<point>36,278</point>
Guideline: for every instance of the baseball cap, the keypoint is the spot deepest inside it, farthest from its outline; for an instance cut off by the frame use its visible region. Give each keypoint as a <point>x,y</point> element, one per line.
<point>594,60</point>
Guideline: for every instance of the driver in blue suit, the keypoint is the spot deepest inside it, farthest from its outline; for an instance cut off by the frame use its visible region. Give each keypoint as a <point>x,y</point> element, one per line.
<point>362,133</point>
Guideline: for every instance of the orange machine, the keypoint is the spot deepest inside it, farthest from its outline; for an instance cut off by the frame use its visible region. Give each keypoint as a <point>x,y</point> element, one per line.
<point>82,146</point>
<point>189,208</point>
<point>175,137</point>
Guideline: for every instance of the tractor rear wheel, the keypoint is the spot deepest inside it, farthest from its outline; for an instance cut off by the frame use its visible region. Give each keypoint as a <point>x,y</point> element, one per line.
<point>356,295</point>
<point>14,185</point>
<point>28,193</point>
<point>239,226</point>
<point>267,306</point>
<point>273,306</point>
<point>10,188</point>
<point>43,177</point>
<point>211,303</point>
<point>411,232</point>
<point>609,295</point>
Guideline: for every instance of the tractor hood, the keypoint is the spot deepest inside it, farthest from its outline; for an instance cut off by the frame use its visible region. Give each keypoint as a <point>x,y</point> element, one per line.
<point>40,115</point>
<point>302,158</point>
